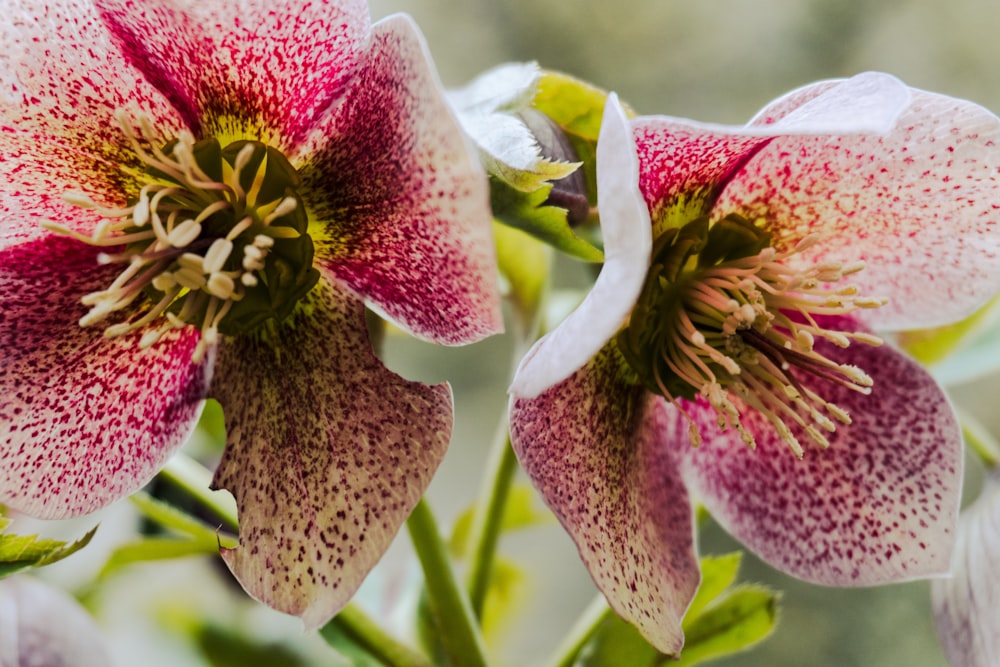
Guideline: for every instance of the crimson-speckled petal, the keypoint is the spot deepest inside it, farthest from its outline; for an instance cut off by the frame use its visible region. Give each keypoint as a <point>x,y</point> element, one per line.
<point>61,80</point>
<point>593,446</point>
<point>403,198</point>
<point>327,454</point>
<point>879,505</point>
<point>625,230</point>
<point>921,206</point>
<point>83,420</point>
<point>263,68</point>
<point>967,604</point>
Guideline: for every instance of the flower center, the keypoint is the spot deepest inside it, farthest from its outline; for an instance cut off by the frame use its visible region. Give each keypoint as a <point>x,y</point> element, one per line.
<point>721,313</point>
<point>215,239</point>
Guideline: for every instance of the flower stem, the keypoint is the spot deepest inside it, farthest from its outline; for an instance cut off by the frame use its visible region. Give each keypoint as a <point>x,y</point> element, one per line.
<point>359,627</point>
<point>584,628</point>
<point>487,520</point>
<point>459,633</point>
<point>194,479</point>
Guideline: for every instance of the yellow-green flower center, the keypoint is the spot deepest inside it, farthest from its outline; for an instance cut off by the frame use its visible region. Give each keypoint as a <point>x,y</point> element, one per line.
<point>723,313</point>
<point>215,239</point>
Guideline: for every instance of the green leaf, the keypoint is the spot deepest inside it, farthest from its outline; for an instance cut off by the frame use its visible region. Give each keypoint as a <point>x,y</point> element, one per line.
<point>521,511</point>
<point>505,597</point>
<point>345,645</point>
<point>224,648</point>
<point>741,619</point>
<point>616,643</point>
<point>528,212</point>
<point>930,346</point>
<point>23,552</point>
<point>717,574</point>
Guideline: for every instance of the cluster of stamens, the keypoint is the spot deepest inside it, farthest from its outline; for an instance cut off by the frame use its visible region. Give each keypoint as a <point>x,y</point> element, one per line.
<point>740,325</point>
<point>198,238</point>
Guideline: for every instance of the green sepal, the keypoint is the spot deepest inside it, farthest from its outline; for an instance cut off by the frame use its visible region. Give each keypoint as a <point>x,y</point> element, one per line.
<point>931,346</point>
<point>528,212</point>
<point>24,552</point>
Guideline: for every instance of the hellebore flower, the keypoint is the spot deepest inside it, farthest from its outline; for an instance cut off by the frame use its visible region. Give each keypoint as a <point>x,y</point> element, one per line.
<point>721,356</point>
<point>967,604</point>
<point>223,186</point>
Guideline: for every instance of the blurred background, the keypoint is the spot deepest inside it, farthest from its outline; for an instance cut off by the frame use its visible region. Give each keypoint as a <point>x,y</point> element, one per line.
<point>716,60</point>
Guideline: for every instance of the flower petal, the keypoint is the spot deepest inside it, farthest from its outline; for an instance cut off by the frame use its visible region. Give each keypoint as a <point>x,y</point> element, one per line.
<point>593,446</point>
<point>403,198</point>
<point>919,206</point>
<point>259,68</point>
<point>328,452</point>
<point>84,420</point>
<point>966,604</point>
<point>61,80</point>
<point>41,626</point>
<point>878,506</point>
<point>627,242</point>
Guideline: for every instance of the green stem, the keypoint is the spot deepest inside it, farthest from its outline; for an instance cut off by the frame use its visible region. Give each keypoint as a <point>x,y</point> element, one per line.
<point>459,632</point>
<point>355,624</point>
<point>487,520</point>
<point>593,616</point>
<point>194,479</point>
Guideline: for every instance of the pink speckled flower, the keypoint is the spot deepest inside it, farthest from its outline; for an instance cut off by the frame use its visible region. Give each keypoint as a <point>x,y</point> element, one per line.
<point>198,199</point>
<point>724,357</point>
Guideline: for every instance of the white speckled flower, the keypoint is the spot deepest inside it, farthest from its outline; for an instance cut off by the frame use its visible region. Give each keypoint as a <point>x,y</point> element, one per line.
<point>198,199</point>
<point>726,352</point>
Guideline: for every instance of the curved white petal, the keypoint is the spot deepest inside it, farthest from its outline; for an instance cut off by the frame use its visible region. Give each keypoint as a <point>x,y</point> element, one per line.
<point>627,234</point>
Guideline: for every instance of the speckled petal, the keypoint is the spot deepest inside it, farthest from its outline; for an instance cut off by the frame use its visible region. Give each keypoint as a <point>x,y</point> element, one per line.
<point>878,506</point>
<point>625,229</point>
<point>327,454</point>
<point>967,604</point>
<point>83,420</point>
<point>41,626</point>
<point>593,446</point>
<point>403,197</point>
<point>259,68</point>
<point>921,206</point>
<point>61,79</point>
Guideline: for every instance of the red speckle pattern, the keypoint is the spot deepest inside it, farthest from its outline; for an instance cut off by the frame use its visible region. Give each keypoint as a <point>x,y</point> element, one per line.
<point>264,68</point>
<point>879,505</point>
<point>83,420</point>
<point>327,454</point>
<point>966,603</point>
<point>594,447</point>
<point>404,204</point>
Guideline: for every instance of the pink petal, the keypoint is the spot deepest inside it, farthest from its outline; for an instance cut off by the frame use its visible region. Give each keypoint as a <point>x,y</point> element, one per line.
<point>261,68</point>
<point>625,228</point>
<point>878,506</point>
<point>83,420</point>
<point>967,604</point>
<point>41,626</point>
<point>61,79</point>
<point>919,206</point>
<point>593,446</point>
<point>328,452</point>
<point>403,198</point>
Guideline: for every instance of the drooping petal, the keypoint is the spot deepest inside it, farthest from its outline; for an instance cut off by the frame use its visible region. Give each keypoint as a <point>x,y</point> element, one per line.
<point>41,626</point>
<point>919,206</point>
<point>61,80</point>
<point>879,505</point>
<point>625,228</point>
<point>967,604</point>
<point>83,420</point>
<point>327,454</point>
<point>593,446</point>
<point>260,68</point>
<point>402,197</point>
